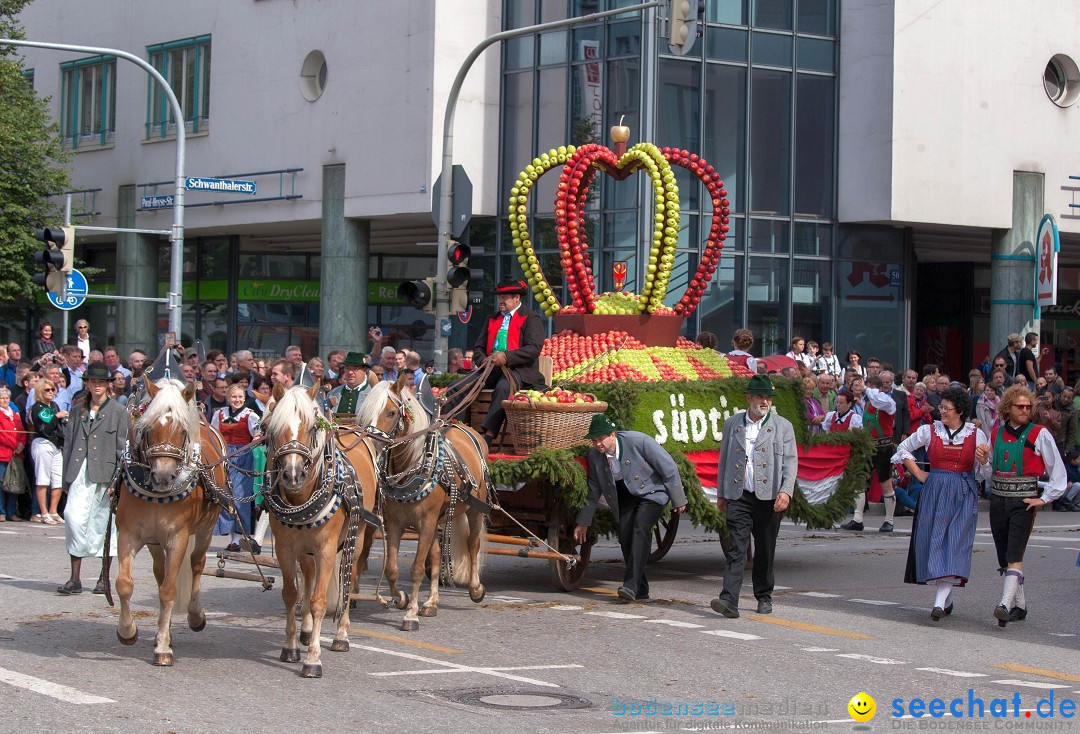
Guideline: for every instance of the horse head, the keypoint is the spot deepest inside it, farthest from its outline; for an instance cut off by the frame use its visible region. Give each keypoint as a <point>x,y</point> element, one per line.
<point>391,408</point>
<point>167,431</point>
<point>296,435</point>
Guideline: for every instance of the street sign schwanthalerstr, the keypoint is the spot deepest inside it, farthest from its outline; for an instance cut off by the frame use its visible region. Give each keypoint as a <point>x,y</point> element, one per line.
<point>220,185</point>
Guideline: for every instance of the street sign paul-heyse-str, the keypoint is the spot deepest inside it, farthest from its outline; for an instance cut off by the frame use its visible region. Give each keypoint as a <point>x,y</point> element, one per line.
<point>156,202</point>
<point>74,293</point>
<point>220,185</point>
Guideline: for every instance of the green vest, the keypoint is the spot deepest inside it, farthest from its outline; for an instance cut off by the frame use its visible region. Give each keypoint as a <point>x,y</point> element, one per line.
<point>348,399</point>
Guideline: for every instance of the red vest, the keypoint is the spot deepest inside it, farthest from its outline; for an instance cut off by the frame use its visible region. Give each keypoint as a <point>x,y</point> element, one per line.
<point>1030,464</point>
<point>739,358</point>
<point>837,427</point>
<point>879,422</point>
<point>960,459</point>
<point>513,336</point>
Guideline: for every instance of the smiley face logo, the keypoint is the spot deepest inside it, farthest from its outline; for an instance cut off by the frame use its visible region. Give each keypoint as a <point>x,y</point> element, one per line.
<point>862,707</point>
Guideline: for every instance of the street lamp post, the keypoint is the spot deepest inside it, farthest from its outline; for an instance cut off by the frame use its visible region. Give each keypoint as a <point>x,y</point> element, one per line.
<point>446,195</point>
<point>176,237</point>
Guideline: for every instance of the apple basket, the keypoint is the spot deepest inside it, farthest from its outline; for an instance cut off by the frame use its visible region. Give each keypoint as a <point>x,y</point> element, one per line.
<point>551,425</point>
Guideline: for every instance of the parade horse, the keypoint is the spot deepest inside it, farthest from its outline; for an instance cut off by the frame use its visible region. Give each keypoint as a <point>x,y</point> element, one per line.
<point>437,475</point>
<point>320,493</point>
<point>173,476</point>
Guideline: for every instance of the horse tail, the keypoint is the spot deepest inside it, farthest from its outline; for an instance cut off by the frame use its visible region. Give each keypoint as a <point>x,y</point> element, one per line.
<point>459,545</point>
<point>184,579</point>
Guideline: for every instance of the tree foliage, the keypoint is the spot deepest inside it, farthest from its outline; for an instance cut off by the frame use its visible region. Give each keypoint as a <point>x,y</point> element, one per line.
<point>32,164</point>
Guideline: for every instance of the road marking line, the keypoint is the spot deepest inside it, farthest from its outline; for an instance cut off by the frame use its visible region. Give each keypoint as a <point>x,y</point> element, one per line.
<point>616,615</point>
<point>48,688</point>
<point>819,595</point>
<point>1017,668</point>
<point>821,649</point>
<point>957,673</point>
<point>870,659</point>
<point>9,532</point>
<point>600,590</point>
<point>566,607</point>
<point>675,623</point>
<point>508,599</point>
<point>911,608</point>
<point>438,671</point>
<point>769,619</point>
<point>777,587</point>
<point>1063,634</point>
<point>1029,684</point>
<point>732,634</point>
<point>462,668</point>
<point>404,641</point>
<point>875,602</point>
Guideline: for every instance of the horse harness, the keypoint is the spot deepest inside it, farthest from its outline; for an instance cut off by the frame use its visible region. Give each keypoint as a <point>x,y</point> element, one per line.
<point>337,485</point>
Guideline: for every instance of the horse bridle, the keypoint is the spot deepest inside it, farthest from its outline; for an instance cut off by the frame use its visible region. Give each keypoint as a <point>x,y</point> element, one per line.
<point>188,456</point>
<point>292,446</point>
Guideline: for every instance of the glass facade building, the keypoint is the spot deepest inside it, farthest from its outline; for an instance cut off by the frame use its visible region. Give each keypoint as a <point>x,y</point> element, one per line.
<point>757,98</point>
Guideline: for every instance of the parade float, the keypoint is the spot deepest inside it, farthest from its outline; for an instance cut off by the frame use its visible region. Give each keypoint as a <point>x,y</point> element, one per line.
<point>622,353</point>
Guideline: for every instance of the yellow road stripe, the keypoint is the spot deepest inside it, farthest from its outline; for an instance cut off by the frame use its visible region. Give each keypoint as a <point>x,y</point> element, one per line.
<point>769,619</point>
<point>1038,671</point>
<point>404,641</point>
<point>600,590</point>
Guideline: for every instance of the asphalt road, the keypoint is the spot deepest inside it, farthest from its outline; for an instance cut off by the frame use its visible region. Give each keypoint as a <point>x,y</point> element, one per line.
<point>532,659</point>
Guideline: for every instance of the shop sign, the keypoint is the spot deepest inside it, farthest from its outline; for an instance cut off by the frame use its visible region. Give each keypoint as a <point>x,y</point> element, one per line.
<point>1047,246</point>
<point>866,284</point>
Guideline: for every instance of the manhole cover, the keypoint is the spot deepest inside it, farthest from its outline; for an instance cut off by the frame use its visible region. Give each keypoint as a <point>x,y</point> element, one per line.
<point>518,699</point>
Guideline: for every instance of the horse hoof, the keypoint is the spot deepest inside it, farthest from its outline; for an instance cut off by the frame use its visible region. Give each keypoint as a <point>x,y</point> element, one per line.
<point>478,596</point>
<point>289,656</point>
<point>163,659</point>
<point>429,611</point>
<point>402,600</point>
<point>305,638</point>
<point>311,671</point>
<point>127,640</point>
<point>410,625</point>
<point>339,646</point>
<point>198,626</point>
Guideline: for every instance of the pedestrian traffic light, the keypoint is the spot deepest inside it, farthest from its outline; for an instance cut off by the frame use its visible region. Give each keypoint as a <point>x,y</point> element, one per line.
<point>683,25</point>
<point>418,294</point>
<point>56,257</point>
<point>460,276</point>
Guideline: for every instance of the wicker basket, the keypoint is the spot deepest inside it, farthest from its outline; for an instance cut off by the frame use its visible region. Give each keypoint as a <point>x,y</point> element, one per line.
<point>551,425</point>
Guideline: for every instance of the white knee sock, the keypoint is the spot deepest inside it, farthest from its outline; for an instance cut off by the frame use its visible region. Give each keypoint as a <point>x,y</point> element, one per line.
<point>1011,586</point>
<point>944,591</point>
<point>261,527</point>
<point>860,503</point>
<point>890,505</point>
<point>234,537</point>
<point>1021,601</point>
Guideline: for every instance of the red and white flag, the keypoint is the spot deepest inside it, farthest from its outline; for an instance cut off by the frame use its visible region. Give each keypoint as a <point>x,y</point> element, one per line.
<point>820,470</point>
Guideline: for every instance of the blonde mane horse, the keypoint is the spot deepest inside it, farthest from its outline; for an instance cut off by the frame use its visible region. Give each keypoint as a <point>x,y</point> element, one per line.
<point>163,504</point>
<point>309,534</point>
<point>393,409</point>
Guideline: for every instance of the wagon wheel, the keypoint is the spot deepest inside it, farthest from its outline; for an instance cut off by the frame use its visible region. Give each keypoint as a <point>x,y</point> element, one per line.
<point>562,575</point>
<point>664,532</point>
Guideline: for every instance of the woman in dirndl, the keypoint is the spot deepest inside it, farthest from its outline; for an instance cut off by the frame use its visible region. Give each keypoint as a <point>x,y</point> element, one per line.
<point>239,425</point>
<point>94,440</point>
<point>943,531</point>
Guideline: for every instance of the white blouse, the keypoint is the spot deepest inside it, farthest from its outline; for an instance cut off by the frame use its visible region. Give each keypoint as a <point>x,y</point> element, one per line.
<point>921,439</point>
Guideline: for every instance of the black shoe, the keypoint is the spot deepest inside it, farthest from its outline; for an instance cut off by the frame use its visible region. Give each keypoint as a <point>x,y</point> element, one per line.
<point>254,547</point>
<point>886,527</point>
<point>233,548</point>
<point>904,512</point>
<point>643,597</point>
<point>626,594</point>
<point>1070,506</point>
<point>764,606</point>
<point>69,588</point>
<point>99,587</point>
<point>1017,614</point>
<point>937,613</point>
<point>1059,506</point>
<point>948,609</point>
<point>852,525</point>
<point>722,607</point>
<point>1001,614</point>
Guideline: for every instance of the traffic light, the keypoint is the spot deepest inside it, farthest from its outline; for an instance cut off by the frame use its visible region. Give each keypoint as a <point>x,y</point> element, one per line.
<point>683,25</point>
<point>459,276</point>
<point>418,294</point>
<point>56,257</point>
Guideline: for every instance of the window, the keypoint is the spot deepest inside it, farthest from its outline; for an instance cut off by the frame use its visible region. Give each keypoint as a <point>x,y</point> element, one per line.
<point>186,66</point>
<point>88,102</point>
<point>28,75</point>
